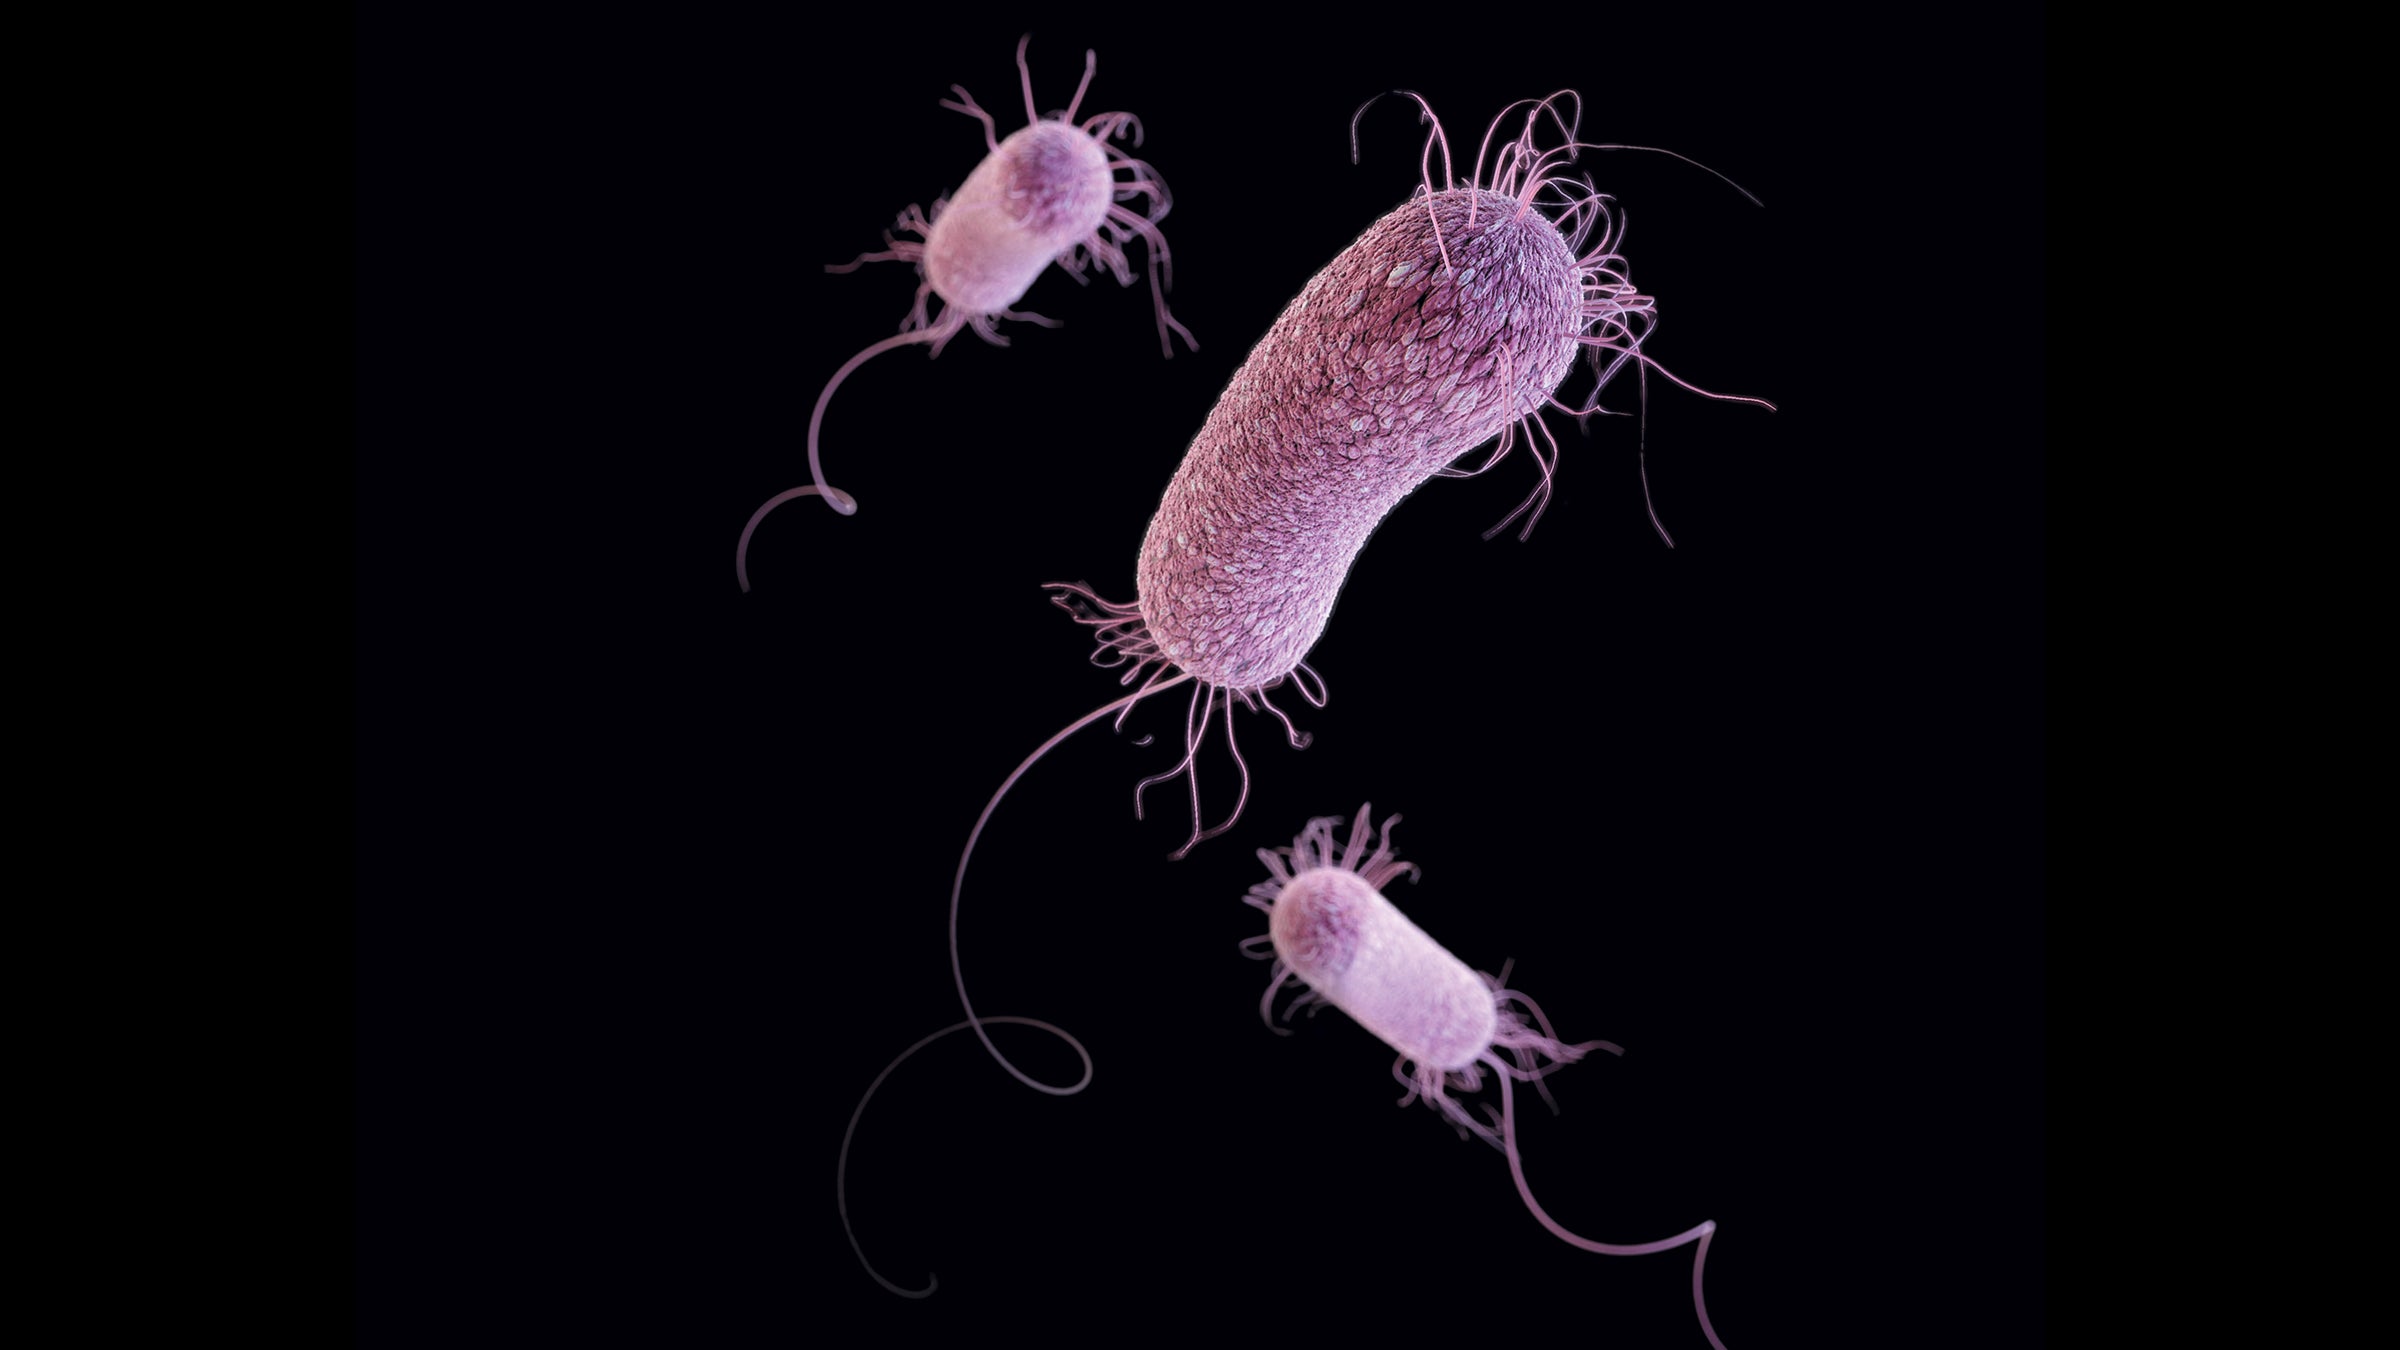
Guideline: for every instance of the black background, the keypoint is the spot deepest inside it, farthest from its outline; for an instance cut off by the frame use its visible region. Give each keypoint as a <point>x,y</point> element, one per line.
<point>653,874</point>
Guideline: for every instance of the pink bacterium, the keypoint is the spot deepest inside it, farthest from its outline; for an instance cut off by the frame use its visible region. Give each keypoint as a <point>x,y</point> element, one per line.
<point>1330,927</point>
<point>1452,321</point>
<point>1048,193</point>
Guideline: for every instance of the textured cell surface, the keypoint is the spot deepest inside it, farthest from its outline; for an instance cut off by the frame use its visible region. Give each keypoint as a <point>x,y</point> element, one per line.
<point>1362,955</point>
<point>1386,367</point>
<point>1045,190</point>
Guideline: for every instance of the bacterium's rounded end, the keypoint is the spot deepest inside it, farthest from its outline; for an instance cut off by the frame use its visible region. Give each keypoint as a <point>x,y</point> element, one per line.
<point>841,501</point>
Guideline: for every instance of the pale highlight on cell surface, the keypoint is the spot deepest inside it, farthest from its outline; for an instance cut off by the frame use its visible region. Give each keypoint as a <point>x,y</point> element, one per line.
<point>1048,193</point>
<point>1330,927</point>
<point>1452,322</point>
